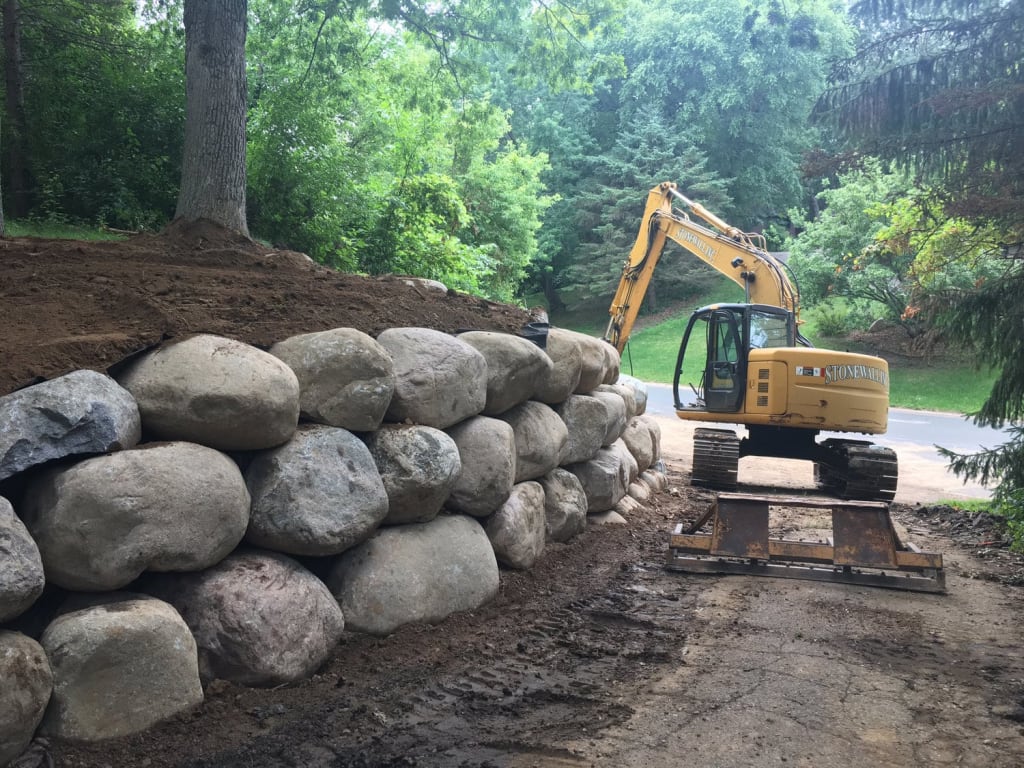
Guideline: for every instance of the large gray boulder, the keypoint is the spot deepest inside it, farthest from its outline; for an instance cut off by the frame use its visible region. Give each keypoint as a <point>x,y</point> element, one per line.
<point>346,379</point>
<point>164,507</point>
<point>415,573</point>
<point>27,685</point>
<point>425,285</point>
<point>514,366</point>
<point>318,494</point>
<point>616,414</point>
<point>605,478</point>
<point>83,412</point>
<point>628,395</point>
<point>654,479</point>
<point>21,567</point>
<point>215,391</point>
<point>612,364</point>
<point>639,491</point>
<point>487,452</point>
<point>637,438</point>
<point>259,618</point>
<point>541,439</point>
<point>419,467</point>
<point>640,392</point>
<point>518,529</point>
<point>593,362</point>
<point>439,379</point>
<point>567,367</point>
<point>565,505</point>
<point>628,460</point>
<point>655,429</point>
<point>586,419</point>
<point>120,664</point>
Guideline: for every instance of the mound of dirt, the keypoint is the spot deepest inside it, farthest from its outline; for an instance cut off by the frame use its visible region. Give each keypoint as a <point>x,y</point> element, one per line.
<point>69,304</point>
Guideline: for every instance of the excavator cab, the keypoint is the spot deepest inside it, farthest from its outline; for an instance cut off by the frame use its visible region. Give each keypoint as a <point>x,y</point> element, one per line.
<point>729,332</point>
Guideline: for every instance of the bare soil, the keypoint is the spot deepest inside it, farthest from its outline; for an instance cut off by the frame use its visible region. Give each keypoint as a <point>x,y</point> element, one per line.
<point>70,304</point>
<point>597,656</point>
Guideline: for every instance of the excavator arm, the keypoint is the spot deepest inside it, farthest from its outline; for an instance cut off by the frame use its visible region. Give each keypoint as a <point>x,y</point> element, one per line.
<point>740,256</point>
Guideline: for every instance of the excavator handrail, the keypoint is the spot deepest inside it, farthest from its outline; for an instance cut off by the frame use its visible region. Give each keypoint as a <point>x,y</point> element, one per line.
<point>740,256</point>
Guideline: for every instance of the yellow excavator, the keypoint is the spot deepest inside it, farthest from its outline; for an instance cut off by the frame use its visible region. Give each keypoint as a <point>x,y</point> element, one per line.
<point>755,369</point>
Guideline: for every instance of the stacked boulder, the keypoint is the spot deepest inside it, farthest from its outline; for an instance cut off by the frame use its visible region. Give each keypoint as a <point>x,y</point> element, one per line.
<point>183,506</point>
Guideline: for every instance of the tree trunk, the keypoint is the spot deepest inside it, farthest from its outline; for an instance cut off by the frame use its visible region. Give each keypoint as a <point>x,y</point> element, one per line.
<point>551,295</point>
<point>19,184</point>
<point>3,225</point>
<point>213,165</point>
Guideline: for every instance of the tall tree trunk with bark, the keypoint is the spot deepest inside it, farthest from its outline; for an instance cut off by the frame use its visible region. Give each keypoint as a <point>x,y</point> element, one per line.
<point>19,184</point>
<point>213,165</point>
<point>3,225</point>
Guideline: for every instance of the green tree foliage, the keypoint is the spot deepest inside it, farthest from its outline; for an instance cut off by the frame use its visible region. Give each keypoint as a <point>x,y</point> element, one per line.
<point>739,79</point>
<point>610,205</point>
<point>506,201</point>
<point>356,109</point>
<point>939,86</point>
<point>838,253</point>
<point>729,86</point>
<point>990,319</point>
<point>367,152</point>
<point>563,124</point>
<point>103,113</point>
<point>544,40</point>
<point>885,247</point>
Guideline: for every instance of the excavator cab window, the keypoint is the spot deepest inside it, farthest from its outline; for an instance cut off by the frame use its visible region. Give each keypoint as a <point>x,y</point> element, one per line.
<point>720,361</point>
<point>725,375</point>
<point>770,329</point>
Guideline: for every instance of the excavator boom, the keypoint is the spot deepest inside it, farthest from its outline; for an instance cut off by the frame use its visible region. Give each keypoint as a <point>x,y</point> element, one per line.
<point>740,256</point>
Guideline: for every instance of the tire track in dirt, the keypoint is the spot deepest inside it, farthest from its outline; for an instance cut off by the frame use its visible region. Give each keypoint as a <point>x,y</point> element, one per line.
<point>568,673</point>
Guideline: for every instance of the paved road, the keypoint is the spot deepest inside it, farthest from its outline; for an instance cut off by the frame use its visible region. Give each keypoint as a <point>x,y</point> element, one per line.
<point>923,428</point>
<point>914,436</point>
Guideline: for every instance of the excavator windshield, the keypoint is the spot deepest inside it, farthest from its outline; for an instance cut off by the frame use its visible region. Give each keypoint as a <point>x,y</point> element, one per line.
<point>769,329</point>
<point>712,360</point>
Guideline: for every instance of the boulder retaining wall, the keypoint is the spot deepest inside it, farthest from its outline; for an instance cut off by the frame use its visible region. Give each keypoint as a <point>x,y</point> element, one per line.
<point>162,507</point>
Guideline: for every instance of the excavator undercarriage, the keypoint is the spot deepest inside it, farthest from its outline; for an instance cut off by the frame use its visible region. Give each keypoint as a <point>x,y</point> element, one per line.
<point>849,469</point>
<point>863,548</point>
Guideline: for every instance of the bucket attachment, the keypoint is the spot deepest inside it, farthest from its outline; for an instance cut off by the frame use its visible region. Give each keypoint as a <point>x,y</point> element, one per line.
<point>864,547</point>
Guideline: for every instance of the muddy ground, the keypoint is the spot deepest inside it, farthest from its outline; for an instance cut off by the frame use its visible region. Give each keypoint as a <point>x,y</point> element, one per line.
<point>598,656</point>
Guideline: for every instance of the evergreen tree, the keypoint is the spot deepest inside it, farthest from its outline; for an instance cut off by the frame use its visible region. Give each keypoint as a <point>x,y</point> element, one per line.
<point>609,206</point>
<point>938,85</point>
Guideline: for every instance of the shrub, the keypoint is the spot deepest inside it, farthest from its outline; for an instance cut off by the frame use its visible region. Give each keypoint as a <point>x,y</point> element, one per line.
<point>830,318</point>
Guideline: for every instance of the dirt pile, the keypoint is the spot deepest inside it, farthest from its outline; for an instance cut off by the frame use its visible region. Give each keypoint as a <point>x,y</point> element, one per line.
<point>68,304</point>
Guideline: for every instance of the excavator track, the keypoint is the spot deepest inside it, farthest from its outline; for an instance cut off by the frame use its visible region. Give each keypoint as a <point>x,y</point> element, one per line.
<point>716,457</point>
<point>855,469</point>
